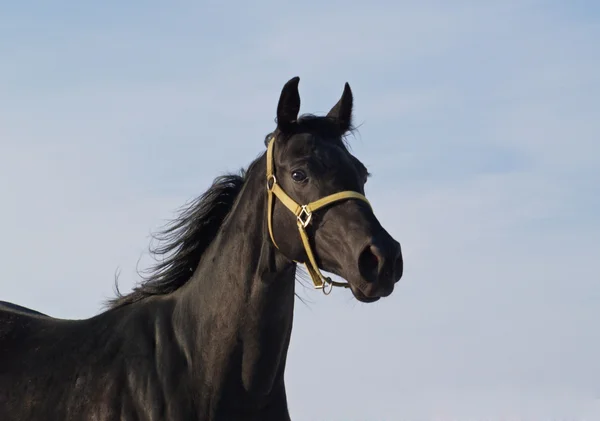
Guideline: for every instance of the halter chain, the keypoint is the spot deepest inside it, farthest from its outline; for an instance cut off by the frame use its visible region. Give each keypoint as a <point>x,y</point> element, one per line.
<point>303,218</point>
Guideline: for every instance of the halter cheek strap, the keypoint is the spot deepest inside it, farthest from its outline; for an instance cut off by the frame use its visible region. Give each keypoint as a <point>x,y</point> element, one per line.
<point>303,215</point>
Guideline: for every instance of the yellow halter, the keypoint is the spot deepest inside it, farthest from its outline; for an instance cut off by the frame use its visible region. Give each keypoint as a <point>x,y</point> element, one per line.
<point>303,218</point>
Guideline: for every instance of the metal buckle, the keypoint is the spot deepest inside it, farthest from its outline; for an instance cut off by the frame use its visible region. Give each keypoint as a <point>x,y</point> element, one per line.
<point>269,179</point>
<point>304,216</point>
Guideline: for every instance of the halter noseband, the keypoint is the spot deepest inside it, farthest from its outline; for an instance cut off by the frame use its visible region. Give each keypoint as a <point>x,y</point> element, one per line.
<point>303,218</point>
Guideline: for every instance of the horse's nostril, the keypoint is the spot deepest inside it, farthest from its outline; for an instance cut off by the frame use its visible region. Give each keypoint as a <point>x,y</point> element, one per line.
<point>369,263</point>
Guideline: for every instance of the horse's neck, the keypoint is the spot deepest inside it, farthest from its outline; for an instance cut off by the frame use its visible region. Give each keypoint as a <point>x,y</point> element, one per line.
<point>241,301</point>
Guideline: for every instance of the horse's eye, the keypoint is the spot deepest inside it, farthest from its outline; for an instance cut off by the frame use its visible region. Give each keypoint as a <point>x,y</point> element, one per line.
<point>298,176</point>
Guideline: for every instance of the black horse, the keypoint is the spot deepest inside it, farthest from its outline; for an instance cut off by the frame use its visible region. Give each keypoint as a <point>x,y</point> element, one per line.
<point>205,336</point>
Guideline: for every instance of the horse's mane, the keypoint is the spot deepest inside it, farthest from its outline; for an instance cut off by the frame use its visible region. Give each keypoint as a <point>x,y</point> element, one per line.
<point>185,239</point>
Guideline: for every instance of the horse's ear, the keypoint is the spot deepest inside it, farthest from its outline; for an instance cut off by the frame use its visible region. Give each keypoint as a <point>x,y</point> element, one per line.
<point>342,111</point>
<point>289,105</point>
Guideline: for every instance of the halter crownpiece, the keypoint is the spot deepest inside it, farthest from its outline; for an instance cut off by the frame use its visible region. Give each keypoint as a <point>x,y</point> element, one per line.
<point>303,218</point>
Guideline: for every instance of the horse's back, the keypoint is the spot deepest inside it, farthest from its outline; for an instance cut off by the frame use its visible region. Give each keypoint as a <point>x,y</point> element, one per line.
<point>16,324</point>
<point>15,320</point>
<point>6,306</point>
<point>40,359</point>
<point>59,369</point>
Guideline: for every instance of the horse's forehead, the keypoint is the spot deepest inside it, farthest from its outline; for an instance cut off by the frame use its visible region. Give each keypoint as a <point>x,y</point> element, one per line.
<point>312,144</point>
<point>301,142</point>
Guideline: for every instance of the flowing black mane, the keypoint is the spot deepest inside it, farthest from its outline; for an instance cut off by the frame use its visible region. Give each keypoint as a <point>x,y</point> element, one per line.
<point>185,239</point>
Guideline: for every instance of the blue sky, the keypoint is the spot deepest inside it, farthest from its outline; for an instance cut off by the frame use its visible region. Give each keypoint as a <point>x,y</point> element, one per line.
<point>478,120</point>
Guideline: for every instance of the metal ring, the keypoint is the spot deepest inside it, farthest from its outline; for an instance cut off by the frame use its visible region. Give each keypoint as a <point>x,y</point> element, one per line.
<point>271,178</point>
<point>328,281</point>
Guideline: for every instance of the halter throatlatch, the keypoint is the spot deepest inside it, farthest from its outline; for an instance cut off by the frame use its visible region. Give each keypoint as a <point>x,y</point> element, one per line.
<point>303,218</point>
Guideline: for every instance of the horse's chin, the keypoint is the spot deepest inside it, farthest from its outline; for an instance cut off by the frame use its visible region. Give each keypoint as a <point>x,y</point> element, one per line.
<point>360,296</point>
